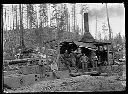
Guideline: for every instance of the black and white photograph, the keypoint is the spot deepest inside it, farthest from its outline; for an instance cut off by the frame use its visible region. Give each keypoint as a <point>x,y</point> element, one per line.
<point>63,47</point>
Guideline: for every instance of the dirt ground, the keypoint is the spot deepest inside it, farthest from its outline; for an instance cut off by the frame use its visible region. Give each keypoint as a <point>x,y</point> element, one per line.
<point>83,83</point>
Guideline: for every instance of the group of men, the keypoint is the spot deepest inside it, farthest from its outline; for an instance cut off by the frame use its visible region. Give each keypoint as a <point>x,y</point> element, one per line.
<point>74,59</point>
<point>77,59</point>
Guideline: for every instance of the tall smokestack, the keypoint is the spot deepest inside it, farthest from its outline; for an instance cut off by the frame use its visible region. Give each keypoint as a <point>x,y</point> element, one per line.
<point>87,37</point>
<point>86,24</point>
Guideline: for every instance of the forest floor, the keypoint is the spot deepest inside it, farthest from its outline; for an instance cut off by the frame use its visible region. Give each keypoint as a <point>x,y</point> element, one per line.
<point>84,83</point>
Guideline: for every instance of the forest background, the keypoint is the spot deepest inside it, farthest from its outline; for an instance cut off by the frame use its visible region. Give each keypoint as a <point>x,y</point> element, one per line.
<point>38,24</point>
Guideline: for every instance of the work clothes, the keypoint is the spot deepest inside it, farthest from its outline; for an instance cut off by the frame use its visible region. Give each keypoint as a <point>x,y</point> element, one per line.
<point>95,62</point>
<point>78,60</point>
<point>84,61</point>
<point>54,66</point>
<point>73,60</point>
<point>54,69</point>
<point>65,58</point>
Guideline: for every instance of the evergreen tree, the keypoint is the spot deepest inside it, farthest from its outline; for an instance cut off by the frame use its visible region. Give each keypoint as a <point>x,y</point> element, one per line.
<point>43,14</point>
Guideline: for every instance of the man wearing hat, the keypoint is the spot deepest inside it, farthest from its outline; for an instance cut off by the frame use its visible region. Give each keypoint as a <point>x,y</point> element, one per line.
<point>73,60</point>
<point>66,60</point>
<point>79,54</point>
<point>84,61</point>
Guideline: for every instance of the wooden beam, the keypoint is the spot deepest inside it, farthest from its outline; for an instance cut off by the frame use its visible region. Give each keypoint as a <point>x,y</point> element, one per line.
<point>108,54</point>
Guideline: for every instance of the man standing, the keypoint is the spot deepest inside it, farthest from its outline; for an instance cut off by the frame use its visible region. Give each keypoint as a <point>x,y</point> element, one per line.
<point>84,61</point>
<point>95,61</point>
<point>66,60</point>
<point>73,60</point>
<point>79,54</point>
<point>53,64</point>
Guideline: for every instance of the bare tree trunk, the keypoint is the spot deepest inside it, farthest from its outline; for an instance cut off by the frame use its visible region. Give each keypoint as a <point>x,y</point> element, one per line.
<point>5,20</point>
<point>74,17</point>
<point>82,25</point>
<point>2,22</point>
<point>30,15</point>
<point>100,36</point>
<point>27,16</point>
<point>21,26</point>
<point>96,28</point>
<point>41,23</point>
<point>36,18</point>
<point>13,18</point>
<point>69,22</point>
<point>47,15</point>
<point>16,19</point>
<point>10,21</point>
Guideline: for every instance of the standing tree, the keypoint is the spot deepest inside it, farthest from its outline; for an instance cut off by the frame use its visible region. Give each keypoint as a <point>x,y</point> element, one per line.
<point>69,21</point>
<point>84,8</point>
<point>21,27</point>
<point>74,9</point>
<point>55,15</point>
<point>10,20</point>
<point>27,15</point>
<point>32,16</point>
<point>5,20</point>
<point>43,15</point>
<point>30,13</point>
<point>118,40</point>
<point>66,17</point>
<point>15,16</point>
<point>58,18</point>
<point>104,29</point>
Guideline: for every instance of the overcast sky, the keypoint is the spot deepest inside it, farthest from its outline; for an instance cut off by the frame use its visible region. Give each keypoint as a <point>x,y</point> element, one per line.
<point>116,16</point>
